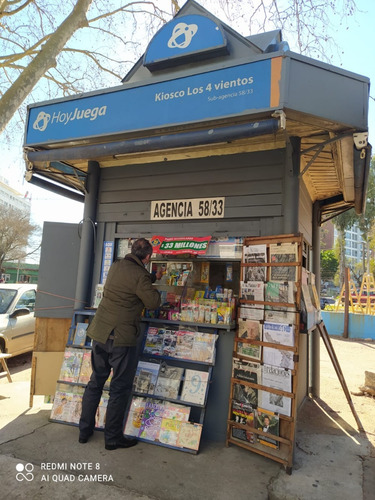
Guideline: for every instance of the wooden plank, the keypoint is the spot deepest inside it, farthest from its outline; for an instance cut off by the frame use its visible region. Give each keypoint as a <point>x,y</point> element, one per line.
<point>48,371</point>
<point>51,334</point>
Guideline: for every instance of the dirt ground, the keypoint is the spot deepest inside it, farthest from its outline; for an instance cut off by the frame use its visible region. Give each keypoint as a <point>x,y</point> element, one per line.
<point>355,357</point>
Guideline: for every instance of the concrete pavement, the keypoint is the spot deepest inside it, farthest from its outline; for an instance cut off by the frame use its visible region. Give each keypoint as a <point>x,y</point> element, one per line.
<point>43,460</point>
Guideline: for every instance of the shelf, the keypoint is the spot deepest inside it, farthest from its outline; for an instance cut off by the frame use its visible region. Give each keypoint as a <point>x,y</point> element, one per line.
<point>215,326</point>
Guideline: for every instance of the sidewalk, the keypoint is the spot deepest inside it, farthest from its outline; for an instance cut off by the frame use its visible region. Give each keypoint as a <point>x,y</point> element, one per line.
<point>332,459</point>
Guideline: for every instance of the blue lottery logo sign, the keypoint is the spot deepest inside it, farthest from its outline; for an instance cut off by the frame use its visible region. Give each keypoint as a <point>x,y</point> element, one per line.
<point>185,36</point>
<point>238,90</point>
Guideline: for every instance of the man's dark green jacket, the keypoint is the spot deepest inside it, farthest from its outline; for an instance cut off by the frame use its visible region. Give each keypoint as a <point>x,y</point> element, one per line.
<point>127,290</point>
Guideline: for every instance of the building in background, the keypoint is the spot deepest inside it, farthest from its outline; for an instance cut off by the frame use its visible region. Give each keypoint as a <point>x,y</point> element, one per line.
<point>9,197</point>
<point>14,272</point>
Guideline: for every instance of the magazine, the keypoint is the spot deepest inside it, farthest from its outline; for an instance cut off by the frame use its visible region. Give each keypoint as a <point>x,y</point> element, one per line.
<point>252,290</point>
<point>249,350</point>
<point>173,417</point>
<point>278,357</point>
<point>101,411</point>
<point>255,254</point>
<point>278,333</point>
<point>245,394</point>
<point>169,343</point>
<point>268,421</point>
<point>145,377</point>
<point>184,345</point>
<point>154,341</point>
<point>249,311</point>
<point>152,417</point>
<point>189,435</point>
<point>204,347</point>
<point>169,431</point>
<point>86,368</point>
<point>276,378</point>
<point>80,334</point>
<point>99,290</point>
<point>62,406</point>
<point>246,370</point>
<point>135,416</point>
<point>71,364</point>
<point>279,292</point>
<point>283,252</point>
<point>169,381</point>
<point>244,414</point>
<point>249,329</point>
<point>194,386</point>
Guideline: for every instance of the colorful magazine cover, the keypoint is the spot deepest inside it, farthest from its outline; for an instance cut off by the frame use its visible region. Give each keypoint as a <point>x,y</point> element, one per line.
<point>152,417</point>
<point>135,416</point>
<point>184,345</point>
<point>244,414</point>
<point>146,376</point>
<point>268,421</point>
<point>204,347</point>
<point>154,341</point>
<point>194,386</point>
<point>71,364</point>
<point>80,334</point>
<point>86,368</point>
<point>169,343</point>
<point>189,436</point>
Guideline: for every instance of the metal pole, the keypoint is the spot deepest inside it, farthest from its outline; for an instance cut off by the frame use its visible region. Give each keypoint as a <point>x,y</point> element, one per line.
<point>346,303</point>
<point>88,230</point>
<point>314,355</point>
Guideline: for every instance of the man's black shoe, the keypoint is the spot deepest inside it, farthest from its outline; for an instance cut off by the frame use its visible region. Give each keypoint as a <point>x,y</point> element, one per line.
<point>121,443</point>
<point>84,439</point>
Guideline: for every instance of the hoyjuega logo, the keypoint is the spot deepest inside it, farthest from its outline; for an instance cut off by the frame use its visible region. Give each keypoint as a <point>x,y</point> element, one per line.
<point>185,33</point>
<point>28,475</point>
<point>43,119</point>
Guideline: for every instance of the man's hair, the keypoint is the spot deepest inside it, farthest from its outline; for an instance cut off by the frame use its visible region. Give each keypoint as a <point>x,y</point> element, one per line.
<point>141,248</point>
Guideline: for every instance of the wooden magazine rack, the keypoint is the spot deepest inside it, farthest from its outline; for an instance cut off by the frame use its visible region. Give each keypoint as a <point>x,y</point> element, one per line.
<point>282,452</point>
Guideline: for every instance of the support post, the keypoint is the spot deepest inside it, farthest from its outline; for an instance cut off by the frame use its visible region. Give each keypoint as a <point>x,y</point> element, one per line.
<point>292,191</point>
<point>314,355</point>
<point>88,229</point>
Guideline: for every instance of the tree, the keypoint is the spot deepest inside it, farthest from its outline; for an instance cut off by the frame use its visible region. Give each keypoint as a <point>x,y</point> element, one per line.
<point>328,265</point>
<point>80,45</point>
<point>367,220</point>
<point>343,222</point>
<point>15,233</point>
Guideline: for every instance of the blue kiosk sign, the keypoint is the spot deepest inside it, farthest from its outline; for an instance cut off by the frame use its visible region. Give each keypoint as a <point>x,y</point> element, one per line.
<point>241,89</point>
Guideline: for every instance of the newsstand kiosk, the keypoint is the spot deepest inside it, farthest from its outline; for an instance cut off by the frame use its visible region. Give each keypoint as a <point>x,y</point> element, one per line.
<point>233,145</point>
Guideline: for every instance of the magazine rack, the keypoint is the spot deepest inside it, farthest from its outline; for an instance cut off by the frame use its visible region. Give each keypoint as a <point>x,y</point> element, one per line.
<point>197,411</point>
<point>247,431</point>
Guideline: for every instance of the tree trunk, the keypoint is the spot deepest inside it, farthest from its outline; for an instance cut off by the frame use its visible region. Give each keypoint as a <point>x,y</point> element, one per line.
<point>45,60</point>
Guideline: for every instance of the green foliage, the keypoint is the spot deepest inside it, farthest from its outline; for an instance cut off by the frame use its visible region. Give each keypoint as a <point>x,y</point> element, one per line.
<point>328,265</point>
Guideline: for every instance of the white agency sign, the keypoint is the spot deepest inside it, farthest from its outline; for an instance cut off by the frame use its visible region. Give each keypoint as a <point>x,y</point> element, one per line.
<point>197,208</point>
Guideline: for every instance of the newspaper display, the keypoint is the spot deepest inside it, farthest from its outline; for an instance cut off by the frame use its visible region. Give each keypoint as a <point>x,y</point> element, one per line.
<point>277,378</point>
<point>283,252</point>
<point>255,254</point>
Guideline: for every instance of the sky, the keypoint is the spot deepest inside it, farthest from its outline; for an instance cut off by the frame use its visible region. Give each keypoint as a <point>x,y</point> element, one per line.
<point>356,46</point>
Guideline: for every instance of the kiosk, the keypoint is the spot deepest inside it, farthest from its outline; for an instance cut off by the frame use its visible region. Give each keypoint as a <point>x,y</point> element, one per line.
<point>211,134</point>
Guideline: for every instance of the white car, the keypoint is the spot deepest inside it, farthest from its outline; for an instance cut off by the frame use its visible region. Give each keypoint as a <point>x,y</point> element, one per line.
<point>17,321</point>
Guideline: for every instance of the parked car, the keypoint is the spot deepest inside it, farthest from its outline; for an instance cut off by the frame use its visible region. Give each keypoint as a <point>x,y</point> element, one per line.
<point>17,321</point>
<point>326,301</point>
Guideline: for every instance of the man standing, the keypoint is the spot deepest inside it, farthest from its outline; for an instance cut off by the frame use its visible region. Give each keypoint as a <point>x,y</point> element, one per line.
<point>114,331</point>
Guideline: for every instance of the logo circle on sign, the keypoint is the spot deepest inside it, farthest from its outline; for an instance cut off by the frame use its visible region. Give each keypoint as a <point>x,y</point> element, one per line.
<point>183,31</point>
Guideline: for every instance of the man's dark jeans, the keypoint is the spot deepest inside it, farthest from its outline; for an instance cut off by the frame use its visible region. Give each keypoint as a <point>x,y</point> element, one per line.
<point>123,360</point>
